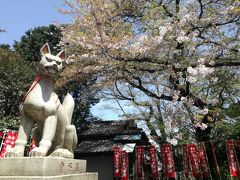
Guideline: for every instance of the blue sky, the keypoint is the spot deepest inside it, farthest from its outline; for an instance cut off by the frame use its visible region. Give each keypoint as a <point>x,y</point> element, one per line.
<point>18,16</point>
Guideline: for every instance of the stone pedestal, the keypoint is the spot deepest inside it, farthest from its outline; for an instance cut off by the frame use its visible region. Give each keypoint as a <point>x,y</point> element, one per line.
<point>44,168</point>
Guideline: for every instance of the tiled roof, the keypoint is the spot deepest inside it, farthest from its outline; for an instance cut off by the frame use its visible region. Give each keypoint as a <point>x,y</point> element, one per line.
<point>96,146</point>
<point>101,136</point>
<point>96,128</point>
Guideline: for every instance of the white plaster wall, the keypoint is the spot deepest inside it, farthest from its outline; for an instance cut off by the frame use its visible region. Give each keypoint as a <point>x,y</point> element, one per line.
<point>101,164</point>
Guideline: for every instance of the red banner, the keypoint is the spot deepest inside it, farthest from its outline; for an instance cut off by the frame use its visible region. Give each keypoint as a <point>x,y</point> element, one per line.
<point>204,161</point>
<point>8,142</point>
<point>238,144</point>
<point>232,159</point>
<point>10,138</point>
<point>167,161</point>
<point>185,160</point>
<point>124,165</point>
<point>3,146</point>
<point>116,161</point>
<point>153,161</point>
<point>194,160</point>
<point>139,160</point>
<point>215,159</point>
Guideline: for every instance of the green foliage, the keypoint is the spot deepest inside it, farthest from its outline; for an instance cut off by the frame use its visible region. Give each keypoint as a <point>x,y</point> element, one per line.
<point>15,78</point>
<point>233,110</point>
<point>5,46</point>
<point>9,122</point>
<point>34,39</point>
<point>229,126</point>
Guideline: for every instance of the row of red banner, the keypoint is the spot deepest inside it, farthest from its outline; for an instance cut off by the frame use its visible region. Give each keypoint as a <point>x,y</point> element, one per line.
<point>120,160</point>
<point>195,161</point>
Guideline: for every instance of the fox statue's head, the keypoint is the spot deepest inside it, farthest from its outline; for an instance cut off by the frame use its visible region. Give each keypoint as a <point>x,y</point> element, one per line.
<point>50,65</point>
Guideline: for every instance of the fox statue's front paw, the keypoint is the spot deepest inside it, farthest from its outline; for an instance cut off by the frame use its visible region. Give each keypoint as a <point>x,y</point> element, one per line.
<point>13,152</point>
<point>61,152</point>
<point>37,152</point>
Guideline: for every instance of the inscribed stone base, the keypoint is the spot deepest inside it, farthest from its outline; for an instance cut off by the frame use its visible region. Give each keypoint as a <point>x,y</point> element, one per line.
<point>44,168</point>
<point>81,176</point>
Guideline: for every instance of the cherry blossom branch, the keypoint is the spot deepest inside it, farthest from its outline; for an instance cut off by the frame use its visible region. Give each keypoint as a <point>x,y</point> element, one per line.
<point>227,62</point>
<point>122,96</point>
<point>183,93</point>
<point>201,9</point>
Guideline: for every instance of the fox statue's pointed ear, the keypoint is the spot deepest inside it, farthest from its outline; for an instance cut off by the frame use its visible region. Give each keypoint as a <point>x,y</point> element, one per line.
<point>45,49</point>
<point>62,55</point>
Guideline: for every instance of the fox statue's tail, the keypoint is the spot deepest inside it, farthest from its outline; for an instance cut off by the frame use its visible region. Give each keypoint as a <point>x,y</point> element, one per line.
<point>68,105</point>
<point>70,140</point>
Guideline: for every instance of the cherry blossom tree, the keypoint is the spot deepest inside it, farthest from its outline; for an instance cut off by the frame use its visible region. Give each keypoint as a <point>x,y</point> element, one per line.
<point>160,54</point>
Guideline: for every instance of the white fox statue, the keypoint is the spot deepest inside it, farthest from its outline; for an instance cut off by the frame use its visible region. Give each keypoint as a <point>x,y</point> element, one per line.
<point>54,135</point>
